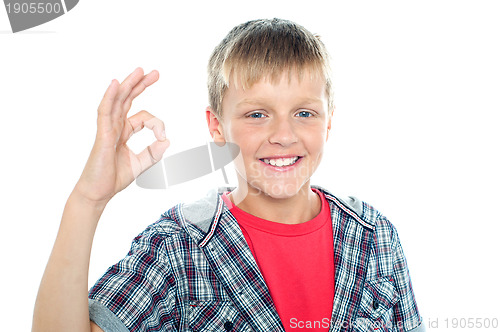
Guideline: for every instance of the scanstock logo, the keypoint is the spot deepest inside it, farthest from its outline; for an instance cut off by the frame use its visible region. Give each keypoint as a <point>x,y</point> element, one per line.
<point>24,15</point>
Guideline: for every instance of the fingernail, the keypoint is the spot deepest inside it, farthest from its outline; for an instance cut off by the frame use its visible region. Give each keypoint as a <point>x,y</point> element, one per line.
<point>163,135</point>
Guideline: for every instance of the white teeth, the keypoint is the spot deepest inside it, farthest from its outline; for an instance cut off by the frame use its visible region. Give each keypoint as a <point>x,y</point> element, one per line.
<point>281,161</point>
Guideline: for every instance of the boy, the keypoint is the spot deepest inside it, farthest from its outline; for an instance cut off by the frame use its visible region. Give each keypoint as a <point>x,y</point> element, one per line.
<point>273,254</point>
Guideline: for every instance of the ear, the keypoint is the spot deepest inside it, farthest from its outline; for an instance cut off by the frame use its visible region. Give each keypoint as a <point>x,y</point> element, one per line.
<point>330,115</point>
<point>215,126</point>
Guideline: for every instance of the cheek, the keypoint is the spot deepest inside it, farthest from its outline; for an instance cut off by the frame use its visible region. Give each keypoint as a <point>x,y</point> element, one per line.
<point>316,143</point>
<point>242,136</point>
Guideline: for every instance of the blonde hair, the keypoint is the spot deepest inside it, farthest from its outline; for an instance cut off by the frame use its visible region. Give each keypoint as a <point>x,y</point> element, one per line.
<point>265,48</point>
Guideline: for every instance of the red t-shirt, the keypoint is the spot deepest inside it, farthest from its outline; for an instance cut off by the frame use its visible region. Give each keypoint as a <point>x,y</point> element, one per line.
<point>297,264</point>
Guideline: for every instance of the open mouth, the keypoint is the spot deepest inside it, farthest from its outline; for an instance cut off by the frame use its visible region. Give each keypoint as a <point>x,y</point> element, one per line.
<point>281,162</point>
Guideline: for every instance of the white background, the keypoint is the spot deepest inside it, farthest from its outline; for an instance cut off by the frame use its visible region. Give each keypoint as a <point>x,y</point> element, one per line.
<point>415,131</point>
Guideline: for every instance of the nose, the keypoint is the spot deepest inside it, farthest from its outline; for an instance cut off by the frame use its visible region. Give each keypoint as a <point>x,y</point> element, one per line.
<point>282,132</point>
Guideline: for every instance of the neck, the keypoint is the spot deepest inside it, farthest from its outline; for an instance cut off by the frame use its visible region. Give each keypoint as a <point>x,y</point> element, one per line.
<point>302,207</point>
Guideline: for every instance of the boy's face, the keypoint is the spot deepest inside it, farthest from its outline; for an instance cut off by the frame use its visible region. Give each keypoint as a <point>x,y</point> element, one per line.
<point>281,130</point>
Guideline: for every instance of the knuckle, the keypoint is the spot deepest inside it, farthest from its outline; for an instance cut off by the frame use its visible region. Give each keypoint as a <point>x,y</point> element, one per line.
<point>147,114</point>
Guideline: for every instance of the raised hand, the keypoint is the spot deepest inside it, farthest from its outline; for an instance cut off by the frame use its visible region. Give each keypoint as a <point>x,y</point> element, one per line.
<point>112,166</point>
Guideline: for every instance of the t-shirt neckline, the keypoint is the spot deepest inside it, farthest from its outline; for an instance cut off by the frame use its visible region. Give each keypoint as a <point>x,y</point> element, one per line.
<point>248,220</point>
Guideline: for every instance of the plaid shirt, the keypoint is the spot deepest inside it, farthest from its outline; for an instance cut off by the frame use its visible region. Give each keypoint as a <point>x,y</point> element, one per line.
<point>192,270</point>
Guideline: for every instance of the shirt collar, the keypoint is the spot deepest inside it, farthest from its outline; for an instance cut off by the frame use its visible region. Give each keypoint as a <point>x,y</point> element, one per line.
<point>201,217</point>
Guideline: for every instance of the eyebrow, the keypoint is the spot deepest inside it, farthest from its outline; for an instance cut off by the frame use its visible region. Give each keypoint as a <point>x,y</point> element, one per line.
<point>304,101</point>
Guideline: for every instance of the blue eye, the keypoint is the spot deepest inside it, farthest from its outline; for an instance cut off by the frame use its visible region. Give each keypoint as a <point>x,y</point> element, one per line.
<point>256,115</point>
<point>305,114</point>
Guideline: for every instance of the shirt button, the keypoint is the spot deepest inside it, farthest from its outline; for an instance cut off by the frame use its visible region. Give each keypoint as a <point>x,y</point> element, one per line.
<point>375,305</point>
<point>228,326</point>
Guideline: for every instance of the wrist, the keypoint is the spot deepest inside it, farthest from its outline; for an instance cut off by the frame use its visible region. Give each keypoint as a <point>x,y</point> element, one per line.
<point>97,205</point>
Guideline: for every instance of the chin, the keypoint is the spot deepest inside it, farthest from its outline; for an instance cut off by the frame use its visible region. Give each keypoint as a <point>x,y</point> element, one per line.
<point>280,190</point>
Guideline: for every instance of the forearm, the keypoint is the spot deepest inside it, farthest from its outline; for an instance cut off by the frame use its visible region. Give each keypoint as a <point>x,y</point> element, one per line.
<point>62,303</point>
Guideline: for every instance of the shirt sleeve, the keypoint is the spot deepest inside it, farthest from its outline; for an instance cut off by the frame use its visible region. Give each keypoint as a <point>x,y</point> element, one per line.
<point>136,293</point>
<point>105,318</point>
<point>406,314</point>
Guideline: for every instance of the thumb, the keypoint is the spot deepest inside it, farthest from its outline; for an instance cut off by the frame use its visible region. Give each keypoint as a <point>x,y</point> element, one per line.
<point>157,149</point>
<point>151,155</point>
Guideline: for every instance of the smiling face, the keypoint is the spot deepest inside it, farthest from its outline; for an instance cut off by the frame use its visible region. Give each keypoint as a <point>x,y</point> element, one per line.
<point>281,128</point>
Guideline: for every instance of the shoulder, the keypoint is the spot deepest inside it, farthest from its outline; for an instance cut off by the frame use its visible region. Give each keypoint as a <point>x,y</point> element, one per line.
<point>385,247</point>
<point>363,212</point>
<point>165,226</point>
<point>384,230</point>
<point>153,239</point>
